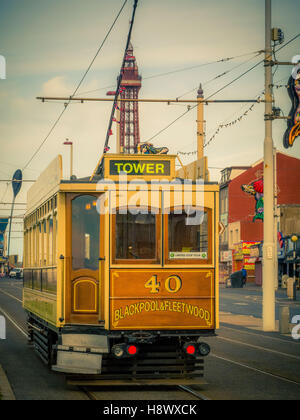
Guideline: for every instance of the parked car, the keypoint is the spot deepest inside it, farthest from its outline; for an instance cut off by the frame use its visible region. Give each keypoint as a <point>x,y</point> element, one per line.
<point>16,273</point>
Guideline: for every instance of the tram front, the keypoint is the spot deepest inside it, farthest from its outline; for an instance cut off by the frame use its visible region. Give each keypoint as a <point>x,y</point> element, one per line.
<point>143,271</point>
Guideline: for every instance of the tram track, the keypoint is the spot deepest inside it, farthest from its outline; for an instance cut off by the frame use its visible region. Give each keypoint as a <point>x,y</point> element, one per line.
<point>260,348</point>
<point>22,330</point>
<point>197,394</point>
<point>93,397</point>
<point>19,327</point>
<point>254,334</point>
<point>10,295</point>
<point>264,372</point>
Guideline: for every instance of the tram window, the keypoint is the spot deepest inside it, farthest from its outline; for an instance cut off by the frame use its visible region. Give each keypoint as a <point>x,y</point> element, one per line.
<point>40,245</point>
<point>52,281</point>
<point>188,236</point>
<point>50,241</point>
<point>45,250</point>
<point>135,237</point>
<point>85,233</point>
<point>54,236</point>
<point>28,279</point>
<point>37,279</point>
<point>49,280</point>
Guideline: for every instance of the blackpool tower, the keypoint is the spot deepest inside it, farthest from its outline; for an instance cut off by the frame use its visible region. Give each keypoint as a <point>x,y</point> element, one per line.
<point>128,136</point>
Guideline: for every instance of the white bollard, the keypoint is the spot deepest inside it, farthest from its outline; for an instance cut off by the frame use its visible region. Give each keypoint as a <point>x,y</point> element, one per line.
<point>284,320</point>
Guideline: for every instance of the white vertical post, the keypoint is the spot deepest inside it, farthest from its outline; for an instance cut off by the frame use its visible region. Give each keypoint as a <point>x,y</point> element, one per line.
<point>70,143</point>
<point>276,222</point>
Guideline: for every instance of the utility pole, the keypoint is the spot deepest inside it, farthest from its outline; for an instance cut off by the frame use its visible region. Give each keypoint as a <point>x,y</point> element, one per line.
<point>276,221</point>
<point>269,246</point>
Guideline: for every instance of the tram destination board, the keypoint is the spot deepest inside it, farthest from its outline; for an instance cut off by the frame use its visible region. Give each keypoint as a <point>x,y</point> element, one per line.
<point>138,167</point>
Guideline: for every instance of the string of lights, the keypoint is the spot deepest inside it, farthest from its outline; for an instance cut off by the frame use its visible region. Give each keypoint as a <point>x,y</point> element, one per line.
<point>225,125</point>
<point>234,122</point>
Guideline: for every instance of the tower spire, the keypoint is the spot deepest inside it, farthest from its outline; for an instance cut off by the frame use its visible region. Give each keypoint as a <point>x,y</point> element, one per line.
<point>129,131</point>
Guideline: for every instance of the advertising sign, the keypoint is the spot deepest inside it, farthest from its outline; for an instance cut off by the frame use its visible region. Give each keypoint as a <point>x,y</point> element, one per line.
<point>248,246</point>
<point>293,130</point>
<point>140,168</point>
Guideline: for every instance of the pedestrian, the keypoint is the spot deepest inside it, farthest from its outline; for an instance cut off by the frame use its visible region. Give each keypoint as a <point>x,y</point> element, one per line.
<point>244,272</point>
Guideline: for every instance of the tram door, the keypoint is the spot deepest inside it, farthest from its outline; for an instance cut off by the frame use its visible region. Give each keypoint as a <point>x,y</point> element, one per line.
<point>83,253</point>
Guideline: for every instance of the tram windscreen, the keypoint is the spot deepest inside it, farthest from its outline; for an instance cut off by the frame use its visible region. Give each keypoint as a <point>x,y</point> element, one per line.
<point>188,234</point>
<point>135,236</point>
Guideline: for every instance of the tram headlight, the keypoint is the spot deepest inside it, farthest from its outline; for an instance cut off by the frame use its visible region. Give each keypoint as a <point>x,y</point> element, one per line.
<point>118,351</point>
<point>204,349</point>
<point>124,350</point>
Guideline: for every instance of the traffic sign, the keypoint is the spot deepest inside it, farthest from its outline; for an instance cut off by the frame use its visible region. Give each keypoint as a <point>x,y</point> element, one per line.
<point>221,228</point>
<point>17,182</point>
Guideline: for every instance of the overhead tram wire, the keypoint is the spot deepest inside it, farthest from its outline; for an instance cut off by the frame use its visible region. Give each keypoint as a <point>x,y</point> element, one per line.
<point>224,87</point>
<point>77,88</point>
<point>223,74</point>
<point>222,60</point>
<point>206,99</point>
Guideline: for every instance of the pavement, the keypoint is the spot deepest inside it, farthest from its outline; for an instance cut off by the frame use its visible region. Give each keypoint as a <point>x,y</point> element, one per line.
<point>6,393</point>
<point>248,302</point>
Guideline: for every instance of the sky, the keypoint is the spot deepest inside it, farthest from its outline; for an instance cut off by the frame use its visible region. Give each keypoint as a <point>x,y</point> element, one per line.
<point>48,45</point>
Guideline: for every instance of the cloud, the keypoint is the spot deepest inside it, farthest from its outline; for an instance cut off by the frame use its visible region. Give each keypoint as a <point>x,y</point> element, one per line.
<point>56,86</point>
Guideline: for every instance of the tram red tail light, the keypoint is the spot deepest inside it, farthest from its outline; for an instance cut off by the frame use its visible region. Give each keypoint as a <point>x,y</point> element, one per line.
<point>132,350</point>
<point>196,349</point>
<point>190,349</point>
<point>122,350</point>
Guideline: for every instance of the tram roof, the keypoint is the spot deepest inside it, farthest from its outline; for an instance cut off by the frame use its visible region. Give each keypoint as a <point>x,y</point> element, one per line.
<point>95,180</point>
<point>140,169</point>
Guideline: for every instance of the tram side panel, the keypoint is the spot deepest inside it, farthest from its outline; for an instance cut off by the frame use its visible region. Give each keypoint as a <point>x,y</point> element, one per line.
<point>178,299</point>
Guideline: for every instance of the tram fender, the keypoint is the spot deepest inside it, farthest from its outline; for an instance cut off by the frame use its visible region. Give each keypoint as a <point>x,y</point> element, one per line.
<point>81,353</point>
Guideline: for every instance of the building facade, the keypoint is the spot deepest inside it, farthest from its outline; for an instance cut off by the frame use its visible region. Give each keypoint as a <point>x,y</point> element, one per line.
<point>241,208</point>
<point>3,246</point>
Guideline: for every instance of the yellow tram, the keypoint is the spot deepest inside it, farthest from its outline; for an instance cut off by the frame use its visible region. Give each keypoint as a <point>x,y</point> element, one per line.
<point>121,271</point>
